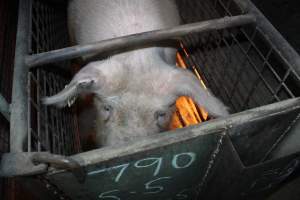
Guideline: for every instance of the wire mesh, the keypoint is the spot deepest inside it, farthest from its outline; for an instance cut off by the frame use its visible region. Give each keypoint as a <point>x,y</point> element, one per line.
<point>49,26</point>
<point>240,65</point>
<point>49,128</point>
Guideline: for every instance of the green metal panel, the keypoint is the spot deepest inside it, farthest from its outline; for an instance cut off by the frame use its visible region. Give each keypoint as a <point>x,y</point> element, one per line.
<point>170,171</point>
<point>199,161</point>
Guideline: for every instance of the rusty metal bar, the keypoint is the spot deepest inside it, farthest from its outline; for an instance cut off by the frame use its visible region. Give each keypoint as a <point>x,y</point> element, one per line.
<point>135,40</point>
<point>18,125</point>
<point>4,108</point>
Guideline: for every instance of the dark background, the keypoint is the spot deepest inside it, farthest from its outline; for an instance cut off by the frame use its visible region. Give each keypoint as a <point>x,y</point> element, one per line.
<point>285,17</point>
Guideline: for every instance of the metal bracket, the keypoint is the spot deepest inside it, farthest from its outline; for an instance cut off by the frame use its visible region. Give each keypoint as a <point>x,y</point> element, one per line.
<point>20,164</point>
<point>34,163</point>
<point>61,162</point>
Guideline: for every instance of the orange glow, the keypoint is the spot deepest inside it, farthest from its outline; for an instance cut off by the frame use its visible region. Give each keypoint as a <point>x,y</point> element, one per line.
<point>187,112</point>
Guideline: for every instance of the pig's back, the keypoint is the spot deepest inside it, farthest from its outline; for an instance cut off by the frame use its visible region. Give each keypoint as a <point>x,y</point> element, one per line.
<point>96,20</point>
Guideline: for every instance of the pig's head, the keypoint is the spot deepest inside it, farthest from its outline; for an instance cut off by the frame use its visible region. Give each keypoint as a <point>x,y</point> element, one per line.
<point>133,102</point>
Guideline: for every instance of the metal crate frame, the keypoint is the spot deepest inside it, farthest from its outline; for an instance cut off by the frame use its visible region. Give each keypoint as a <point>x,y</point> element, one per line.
<point>23,78</point>
<point>256,79</point>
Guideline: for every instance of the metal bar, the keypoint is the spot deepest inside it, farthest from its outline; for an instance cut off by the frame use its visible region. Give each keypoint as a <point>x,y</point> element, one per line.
<point>161,140</point>
<point>38,97</point>
<point>45,113</point>
<point>61,162</point>
<point>146,38</point>
<point>4,108</point>
<point>29,113</point>
<point>58,161</point>
<point>18,125</point>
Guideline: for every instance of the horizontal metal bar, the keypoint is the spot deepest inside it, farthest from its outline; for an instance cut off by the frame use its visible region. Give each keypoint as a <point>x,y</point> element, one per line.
<point>4,108</point>
<point>58,161</point>
<point>135,40</point>
<point>188,133</point>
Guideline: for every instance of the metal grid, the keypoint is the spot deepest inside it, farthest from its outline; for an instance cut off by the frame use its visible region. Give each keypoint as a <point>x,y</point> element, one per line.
<point>240,65</point>
<point>49,128</point>
<point>48,28</point>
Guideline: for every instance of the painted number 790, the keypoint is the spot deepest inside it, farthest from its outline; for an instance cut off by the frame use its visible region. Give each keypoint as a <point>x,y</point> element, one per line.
<point>155,162</point>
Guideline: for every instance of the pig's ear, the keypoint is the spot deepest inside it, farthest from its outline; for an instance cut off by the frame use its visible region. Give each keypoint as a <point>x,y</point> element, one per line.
<point>184,83</point>
<point>88,80</point>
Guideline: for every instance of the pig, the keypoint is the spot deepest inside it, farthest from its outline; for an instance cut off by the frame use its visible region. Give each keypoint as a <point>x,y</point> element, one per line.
<point>134,91</point>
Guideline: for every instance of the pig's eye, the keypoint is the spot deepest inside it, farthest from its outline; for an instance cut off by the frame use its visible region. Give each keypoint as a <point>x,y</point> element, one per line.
<point>162,118</point>
<point>105,112</point>
<point>161,114</point>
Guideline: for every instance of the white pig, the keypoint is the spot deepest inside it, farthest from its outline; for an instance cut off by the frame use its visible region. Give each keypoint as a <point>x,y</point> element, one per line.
<point>135,91</point>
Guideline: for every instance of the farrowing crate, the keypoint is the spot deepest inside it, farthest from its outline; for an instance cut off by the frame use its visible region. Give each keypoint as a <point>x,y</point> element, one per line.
<point>248,66</point>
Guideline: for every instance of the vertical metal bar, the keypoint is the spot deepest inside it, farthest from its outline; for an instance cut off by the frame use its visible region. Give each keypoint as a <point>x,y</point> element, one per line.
<point>60,131</point>
<point>47,143</point>
<point>51,114</point>
<point>38,97</point>
<point>29,113</point>
<point>4,108</point>
<point>18,125</point>
<point>56,119</point>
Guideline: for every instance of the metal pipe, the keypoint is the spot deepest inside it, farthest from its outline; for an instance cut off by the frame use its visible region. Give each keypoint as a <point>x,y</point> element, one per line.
<point>61,162</point>
<point>18,118</point>
<point>161,140</point>
<point>4,108</point>
<point>57,161</point>
<point>135,40</point>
